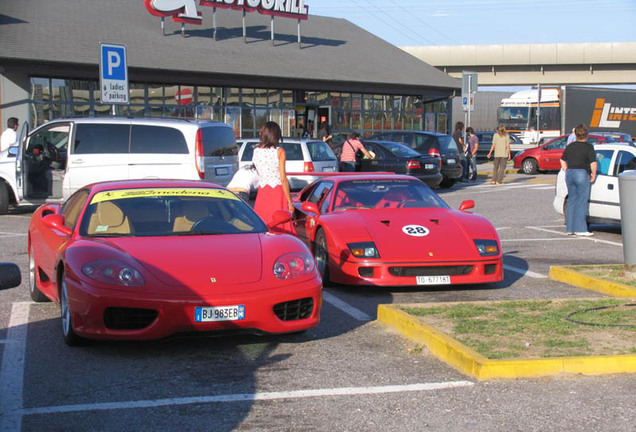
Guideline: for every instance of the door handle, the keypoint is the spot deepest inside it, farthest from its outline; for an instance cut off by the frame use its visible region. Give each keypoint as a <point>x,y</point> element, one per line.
<point>77,161</point>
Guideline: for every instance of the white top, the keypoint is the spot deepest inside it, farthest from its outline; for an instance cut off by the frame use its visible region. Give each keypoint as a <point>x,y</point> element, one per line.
<point>245,178</point>
<point>8,138</point>
<point>266,162</point>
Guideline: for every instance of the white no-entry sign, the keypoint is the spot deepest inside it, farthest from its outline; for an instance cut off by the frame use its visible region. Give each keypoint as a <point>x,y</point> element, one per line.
<point>113,73</point>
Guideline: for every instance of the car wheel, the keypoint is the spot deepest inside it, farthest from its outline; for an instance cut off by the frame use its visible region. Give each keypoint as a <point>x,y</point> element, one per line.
<point>529,166</point>
<point>321,254</point>
<point>36,294</point>
<point>70,337</point>
<point>4,198</point>
<point>447,182</point>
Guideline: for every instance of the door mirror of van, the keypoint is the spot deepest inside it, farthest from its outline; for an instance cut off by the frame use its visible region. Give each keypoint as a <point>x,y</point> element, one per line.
<point>56,222</point>
<point>10,276</point>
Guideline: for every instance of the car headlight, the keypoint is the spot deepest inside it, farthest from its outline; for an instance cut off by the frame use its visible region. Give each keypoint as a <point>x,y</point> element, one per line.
<point>113,272</point>
<point>487,247</point>
<point>293,265</point>
<point>364,250</point>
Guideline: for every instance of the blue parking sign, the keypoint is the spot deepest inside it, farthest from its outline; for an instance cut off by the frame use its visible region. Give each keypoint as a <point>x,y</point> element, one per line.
<point>113,74</point>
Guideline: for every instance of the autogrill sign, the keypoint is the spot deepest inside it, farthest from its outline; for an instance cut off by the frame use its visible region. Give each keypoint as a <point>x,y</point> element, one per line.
<point>186,10</point>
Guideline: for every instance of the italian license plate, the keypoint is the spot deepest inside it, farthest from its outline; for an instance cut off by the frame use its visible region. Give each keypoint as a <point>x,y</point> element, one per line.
<point>429,166</point>
<point>432,280</point>
<point>328,169</point>
<point>220,313</point>
<point>221,171</point>
<point>451,161</point>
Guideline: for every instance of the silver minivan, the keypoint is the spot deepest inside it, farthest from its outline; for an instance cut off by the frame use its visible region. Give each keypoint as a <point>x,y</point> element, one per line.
<point>63,155</point>
<point>305,158</point>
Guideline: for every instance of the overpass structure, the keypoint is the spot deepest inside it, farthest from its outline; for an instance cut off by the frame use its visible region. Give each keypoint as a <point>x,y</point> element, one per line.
<point>532,64</point>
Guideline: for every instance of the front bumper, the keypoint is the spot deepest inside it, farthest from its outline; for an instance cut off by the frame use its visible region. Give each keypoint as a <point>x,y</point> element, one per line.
<point>91,307</point>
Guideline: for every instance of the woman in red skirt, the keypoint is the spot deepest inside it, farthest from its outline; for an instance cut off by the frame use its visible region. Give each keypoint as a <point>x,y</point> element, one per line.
<point>273,187</point>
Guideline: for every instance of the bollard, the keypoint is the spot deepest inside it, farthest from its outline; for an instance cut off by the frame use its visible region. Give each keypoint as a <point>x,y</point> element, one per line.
<point>627,196</point>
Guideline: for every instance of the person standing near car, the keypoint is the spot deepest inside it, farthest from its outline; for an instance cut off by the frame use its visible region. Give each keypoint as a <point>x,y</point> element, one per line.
<point>458,136</point>
<point>349,150</point>
<point>323,133</point>
<point>501,148</point>
<point>471,154</point>
<point>579,164</point>
<point>9,136</point>
<point>273,187</point>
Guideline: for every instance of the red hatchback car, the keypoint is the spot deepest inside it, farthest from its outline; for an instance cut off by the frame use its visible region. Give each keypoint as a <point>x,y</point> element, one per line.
<point>547,157</point>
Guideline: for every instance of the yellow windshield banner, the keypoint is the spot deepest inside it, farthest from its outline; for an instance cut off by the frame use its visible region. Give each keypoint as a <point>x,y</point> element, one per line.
<point>137,193</point>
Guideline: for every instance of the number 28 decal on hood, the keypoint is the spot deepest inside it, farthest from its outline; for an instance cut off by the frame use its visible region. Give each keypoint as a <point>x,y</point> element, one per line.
<point>415,230</point>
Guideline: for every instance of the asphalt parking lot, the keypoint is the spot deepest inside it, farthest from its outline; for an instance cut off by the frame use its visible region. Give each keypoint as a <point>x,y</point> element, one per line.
<point>349,373</point>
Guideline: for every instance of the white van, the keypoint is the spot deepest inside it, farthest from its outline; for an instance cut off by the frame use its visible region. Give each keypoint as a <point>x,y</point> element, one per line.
<point>44,167</point>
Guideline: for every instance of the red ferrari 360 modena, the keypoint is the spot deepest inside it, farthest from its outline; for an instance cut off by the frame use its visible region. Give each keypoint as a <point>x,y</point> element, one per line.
<point>151,258</point>
<point>393,230</point>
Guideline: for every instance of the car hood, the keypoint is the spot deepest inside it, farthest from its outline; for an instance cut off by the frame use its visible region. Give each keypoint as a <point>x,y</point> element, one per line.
<point>405,234</point>
<point>197,261</point>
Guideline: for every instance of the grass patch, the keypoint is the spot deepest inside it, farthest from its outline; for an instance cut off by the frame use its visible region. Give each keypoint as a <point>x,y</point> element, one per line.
<point>613,273</point>
<point>537,328</point>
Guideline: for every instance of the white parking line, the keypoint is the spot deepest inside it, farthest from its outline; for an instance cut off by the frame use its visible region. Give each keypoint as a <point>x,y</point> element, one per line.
<point>577,238</point>
<point>524,272</point>
<point>241,397</point>
<point>8,234</point>
<point>345,307</point>
<point>12,370</point>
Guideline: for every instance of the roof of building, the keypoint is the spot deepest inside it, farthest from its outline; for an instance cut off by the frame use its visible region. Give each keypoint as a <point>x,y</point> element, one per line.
<point>62,37</point>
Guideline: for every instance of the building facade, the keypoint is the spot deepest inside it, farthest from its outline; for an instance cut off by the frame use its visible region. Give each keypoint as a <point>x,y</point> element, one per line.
<point>233,71</point>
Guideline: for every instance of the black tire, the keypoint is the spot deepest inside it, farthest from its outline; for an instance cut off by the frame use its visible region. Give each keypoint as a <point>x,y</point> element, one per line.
<point>36,294</point>
<point>4,198</point>
<point>529,166</point>
<point>321,255</point>
<point>70,337</point>
<point>447,182</point>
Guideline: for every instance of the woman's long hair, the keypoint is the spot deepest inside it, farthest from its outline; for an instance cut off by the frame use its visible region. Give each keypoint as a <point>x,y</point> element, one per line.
<point>269,135</point>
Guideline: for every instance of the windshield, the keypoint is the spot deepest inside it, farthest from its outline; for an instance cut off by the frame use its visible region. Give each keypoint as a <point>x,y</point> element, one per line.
<point>161,212</point>
<point>383,193</point>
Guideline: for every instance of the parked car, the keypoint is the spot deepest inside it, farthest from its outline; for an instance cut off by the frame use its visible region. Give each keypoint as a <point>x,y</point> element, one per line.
<point>400,159</point>
<point>485,141</point>
<point>547,157</point>
<point>146,259</point>
<point>604,205</point>
<point>43,166</point>
<point>618,137</point>
<point>390,230</point>
<point>305,158</point>
<point>430,143</point>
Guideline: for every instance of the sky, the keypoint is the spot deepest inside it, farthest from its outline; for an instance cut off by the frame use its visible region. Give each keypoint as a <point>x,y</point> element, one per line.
<point>485,22</point>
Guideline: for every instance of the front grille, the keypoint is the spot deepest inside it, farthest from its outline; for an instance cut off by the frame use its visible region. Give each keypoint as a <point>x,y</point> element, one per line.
<point>456,270</point>
<point>116,318</point>
<point>295,309</point>
<point>490,268</point>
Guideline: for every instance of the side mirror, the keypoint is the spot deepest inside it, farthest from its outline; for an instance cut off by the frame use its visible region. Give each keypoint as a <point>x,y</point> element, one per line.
<point>279,217</point>
<point>310,207</point>
<point>56,222</point>
<point>465,205</point>
<point>10,276</point>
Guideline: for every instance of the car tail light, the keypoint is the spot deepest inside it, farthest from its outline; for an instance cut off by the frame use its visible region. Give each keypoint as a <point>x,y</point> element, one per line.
<point>434,152</point>
<point>308,167</point>
<point>199,154</point>
<point>413,165</point>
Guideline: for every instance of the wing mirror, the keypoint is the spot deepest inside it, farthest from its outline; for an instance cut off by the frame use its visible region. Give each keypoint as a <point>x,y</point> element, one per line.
<point>10,276</point>
<point>465,205</point>
<point>279,217</point>
<point>310,207</point>
<point>56,222</point>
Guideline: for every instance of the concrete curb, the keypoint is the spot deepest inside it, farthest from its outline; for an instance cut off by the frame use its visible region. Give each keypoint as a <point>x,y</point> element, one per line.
<point>569,275</point>
<point>472,363</point>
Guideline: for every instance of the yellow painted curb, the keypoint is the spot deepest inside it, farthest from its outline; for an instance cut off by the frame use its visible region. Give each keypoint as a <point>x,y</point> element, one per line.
<point>472,363</point>
<point>569,275</point>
